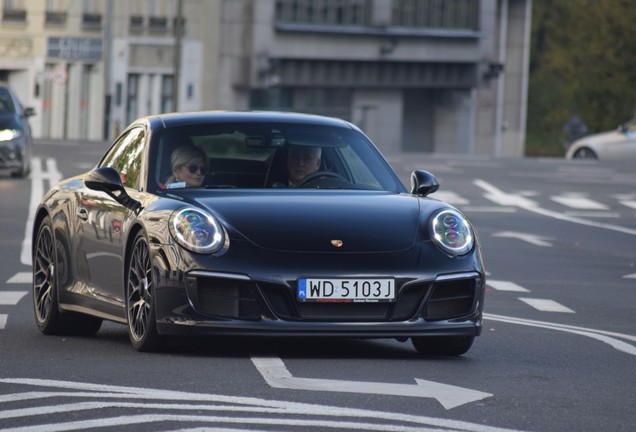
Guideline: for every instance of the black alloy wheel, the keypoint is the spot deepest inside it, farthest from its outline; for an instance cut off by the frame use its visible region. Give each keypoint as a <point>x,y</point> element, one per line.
<point>140,312</point>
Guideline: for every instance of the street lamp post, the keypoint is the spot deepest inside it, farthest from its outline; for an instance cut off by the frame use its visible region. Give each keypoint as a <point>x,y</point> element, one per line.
<point>178,30</point>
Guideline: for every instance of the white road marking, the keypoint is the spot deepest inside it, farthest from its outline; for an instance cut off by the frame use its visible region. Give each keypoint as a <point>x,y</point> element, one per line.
<point>11,297</point>
<point>21,278</point>
<point>534,239</point>
<point>629,203</point>
<point>601,335</point>
<point>309,413</point>
<point>545,305</point>
<point>593,214</point>
<point>505,286</point>
<point>38,177</point>
<point>451,198</point>
<point>3,321</point>
<point>578,201</point>
<point>486,209</point>
<point>630,276</point>
<point>502,198</point>
<point>276,374</point>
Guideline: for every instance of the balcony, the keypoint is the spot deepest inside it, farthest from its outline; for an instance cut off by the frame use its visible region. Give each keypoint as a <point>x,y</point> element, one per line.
<point>91,21</point>
<point>136,24</point>
<point>14,15</point>
<point>54,18</point>
<point>158,24</point>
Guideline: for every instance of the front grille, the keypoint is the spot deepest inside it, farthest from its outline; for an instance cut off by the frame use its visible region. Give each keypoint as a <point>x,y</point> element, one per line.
<point>224,298</point>
<point>450,299</point>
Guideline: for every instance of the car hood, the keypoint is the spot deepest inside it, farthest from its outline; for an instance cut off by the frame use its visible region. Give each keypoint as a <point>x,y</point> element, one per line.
<point>9,121</point>
<point>312,221</point>
<point>603,137</point>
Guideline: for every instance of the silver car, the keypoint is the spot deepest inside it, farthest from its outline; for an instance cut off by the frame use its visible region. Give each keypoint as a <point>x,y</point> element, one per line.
<point>619,144</point>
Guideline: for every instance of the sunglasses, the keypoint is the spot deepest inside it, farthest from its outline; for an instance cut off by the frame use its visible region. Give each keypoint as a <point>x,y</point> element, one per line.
<point>194,168</point>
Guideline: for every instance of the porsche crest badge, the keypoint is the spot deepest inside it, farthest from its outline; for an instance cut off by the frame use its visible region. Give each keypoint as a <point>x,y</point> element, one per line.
<point>337,243</point>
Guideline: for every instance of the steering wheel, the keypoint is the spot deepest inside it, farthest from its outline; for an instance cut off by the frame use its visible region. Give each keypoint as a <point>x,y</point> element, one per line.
<point>319,175</point>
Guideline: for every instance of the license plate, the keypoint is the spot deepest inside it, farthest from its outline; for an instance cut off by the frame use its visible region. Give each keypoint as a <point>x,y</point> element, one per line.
<point>346,290</point>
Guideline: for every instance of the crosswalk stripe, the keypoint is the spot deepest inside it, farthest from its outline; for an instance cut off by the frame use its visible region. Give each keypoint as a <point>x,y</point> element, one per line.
<point>3,321</point>
<point>578,202</point>
<point>630,276</point>
<point>630,204</point>
<point>21,277</point>
<point>546,305</point>
<point>11,297</point>
<point>505,286</point>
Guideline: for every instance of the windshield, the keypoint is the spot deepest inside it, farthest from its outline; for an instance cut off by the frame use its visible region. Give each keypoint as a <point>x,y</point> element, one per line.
<point>266,155</point>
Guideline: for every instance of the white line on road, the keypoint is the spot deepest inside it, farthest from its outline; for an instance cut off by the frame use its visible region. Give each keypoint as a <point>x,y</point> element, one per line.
<point>38,176</point>
<point>3,321</point>
<point>11,297</point>
<point>629,203</point>
<point>601,335</point>
<point>545,305</point>
<point>21,278</point>
<point>578,202</point>
<point>400,421</point>
<point>505,286</point>
<point>502,198</point>
<point>630,276</point>
<point>536,240</point>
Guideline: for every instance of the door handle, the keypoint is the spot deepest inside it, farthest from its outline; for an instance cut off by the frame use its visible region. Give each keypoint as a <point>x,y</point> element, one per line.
<point>82,214</point>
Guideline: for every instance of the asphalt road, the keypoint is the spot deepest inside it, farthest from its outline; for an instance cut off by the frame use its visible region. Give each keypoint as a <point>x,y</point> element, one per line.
<point>558,351</point>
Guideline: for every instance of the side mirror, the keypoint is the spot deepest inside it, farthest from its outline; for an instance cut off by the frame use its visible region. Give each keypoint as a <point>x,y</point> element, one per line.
<point>108,180</point>
<point>28,112</point>
<point>423,183</point>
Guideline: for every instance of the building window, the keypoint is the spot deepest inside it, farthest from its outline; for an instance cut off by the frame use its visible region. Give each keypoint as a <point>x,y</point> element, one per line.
<point>91,15</point>
<point>324,12</point>
<point>136,23</point>
<point>12,11</point>
<point>166,93</point>
<point>332,102</point>
<point>132,98</point>
<point>437,14</point>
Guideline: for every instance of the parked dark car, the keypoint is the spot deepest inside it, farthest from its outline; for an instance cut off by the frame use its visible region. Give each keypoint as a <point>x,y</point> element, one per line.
<point>348,252</point>
<point>15,134</point>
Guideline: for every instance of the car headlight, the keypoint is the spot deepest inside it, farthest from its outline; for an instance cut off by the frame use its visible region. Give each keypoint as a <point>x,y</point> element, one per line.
<point>9,134</point>
<point>197,231</point>
<point>452,232</point>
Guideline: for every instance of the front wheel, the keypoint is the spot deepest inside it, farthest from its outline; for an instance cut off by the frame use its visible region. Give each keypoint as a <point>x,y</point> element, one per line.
<point>584,153</point>
<point>140,289</point>
<point>443,345</point>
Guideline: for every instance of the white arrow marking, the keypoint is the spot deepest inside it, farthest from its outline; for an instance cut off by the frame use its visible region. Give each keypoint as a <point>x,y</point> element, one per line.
<point>536,240</point>
<point>276,374</point>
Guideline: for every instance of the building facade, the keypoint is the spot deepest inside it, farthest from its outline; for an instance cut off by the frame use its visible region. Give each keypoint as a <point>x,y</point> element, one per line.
<point>444,76</point>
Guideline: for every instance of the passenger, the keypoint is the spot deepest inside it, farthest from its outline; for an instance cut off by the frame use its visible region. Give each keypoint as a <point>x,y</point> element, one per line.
<point>301,162</point>
<point>189,166</point>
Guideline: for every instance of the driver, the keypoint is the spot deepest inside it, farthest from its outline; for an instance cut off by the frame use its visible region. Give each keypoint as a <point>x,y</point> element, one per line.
<point>301,162</point>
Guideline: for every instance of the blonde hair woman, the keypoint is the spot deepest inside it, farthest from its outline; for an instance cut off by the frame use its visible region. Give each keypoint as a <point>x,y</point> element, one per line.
<point>189,167</point>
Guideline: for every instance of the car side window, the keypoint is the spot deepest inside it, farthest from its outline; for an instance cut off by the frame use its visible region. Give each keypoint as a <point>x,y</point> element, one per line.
<point>125,156</point>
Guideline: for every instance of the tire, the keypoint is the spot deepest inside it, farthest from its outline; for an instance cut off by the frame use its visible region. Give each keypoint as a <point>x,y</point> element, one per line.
<point>443,345</point>
<point>584,153</point>
<point>139,291</point>
<point>49,262</point>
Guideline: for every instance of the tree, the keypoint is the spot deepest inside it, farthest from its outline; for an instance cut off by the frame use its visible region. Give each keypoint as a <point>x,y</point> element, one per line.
<point>582,62</point>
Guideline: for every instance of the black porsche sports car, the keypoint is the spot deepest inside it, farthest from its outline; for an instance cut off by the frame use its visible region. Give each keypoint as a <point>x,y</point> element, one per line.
<point>346,252</point>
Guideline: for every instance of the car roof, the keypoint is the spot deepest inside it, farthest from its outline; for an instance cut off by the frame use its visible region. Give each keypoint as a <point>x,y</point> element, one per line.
<point>205,117</point>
